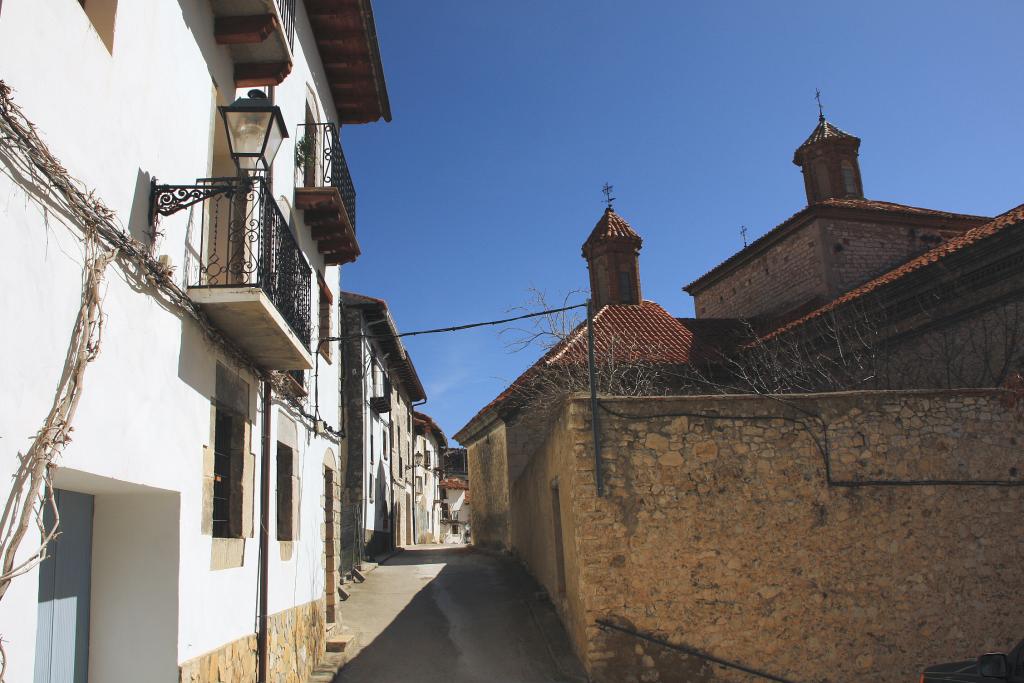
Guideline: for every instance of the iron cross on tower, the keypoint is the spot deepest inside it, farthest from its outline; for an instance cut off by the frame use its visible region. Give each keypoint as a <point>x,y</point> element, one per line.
<point>607,189</point>
<point>821,112</point>
<point>743,233</point>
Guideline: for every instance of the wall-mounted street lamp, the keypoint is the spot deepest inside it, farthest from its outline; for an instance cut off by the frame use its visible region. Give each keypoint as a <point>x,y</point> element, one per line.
<point>255,130</point>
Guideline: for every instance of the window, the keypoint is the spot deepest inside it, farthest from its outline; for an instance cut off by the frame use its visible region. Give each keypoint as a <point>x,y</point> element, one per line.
<point>821,178</point>
<point>227,457</point>
<point>370,488</point>
<point>849,180</point>
<point>101,14</point>
<point>326,304</point>
<point>626,287</point>
<point>455,528</point>
<point>371,446</point>
<point>384,450</point>
<point>419,484</point>
<point>229,445</point>
<point>285,493</point>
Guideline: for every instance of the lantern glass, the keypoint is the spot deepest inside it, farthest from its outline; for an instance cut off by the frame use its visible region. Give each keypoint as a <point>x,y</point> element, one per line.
<point>255,130</point>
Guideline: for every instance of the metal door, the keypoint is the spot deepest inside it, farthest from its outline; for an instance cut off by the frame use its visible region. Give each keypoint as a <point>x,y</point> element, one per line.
<point>65,577</point>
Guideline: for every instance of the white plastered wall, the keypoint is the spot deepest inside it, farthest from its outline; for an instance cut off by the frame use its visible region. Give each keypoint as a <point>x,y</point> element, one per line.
<point>117,119</point>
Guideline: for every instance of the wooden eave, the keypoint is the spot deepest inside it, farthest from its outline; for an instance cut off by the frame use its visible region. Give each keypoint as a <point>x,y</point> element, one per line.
<point>346,39</point>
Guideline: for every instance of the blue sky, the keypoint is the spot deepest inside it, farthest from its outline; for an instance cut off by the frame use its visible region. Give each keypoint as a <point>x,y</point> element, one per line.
<point>509,117</point>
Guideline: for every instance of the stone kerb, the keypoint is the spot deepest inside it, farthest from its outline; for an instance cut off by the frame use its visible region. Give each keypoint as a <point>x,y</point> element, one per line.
<point>723,533</point>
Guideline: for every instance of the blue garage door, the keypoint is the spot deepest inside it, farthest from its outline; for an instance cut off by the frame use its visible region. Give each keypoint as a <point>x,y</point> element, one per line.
<point>62,638</point>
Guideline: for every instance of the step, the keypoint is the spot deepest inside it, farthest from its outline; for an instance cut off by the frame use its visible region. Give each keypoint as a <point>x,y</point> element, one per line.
<point>328,668</point>
<point>338,643</point>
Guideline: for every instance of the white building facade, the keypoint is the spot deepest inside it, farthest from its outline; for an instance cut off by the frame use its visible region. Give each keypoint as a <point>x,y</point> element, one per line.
<point>430,443</point>
<point>188,417</point>
<point>379,391</point>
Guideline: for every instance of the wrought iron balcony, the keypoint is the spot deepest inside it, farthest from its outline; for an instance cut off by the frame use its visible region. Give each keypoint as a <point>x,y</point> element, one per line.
<point>250,276</point>
<point>260,35</point>
<point>324,191</point>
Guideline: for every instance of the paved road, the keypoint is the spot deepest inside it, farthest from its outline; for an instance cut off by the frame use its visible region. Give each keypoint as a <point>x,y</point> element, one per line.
<point>449,614</point>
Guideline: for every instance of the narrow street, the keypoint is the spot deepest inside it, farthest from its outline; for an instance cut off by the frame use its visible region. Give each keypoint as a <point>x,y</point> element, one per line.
<point>454,615</point>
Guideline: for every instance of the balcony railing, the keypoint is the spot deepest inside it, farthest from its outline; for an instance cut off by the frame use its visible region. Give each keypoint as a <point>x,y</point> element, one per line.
<point>246,242</point>
<point>320,162</point>
<point>286,8</point>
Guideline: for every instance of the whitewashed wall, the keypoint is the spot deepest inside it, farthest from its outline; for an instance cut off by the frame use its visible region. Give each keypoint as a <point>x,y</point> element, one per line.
<point>116,120</point>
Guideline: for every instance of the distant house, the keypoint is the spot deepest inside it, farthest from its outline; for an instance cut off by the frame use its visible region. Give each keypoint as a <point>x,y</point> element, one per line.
<point>455,501</point>
<point>430,445</point>
<point>378,390</point>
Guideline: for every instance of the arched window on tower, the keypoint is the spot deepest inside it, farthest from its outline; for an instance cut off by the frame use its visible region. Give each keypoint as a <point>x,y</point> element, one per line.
<point>626,294</point>
<point>821,181</point>
<point>849,179</point>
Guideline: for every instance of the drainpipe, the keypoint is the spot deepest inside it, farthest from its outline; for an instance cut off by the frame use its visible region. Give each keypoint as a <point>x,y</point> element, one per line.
<point>264,569</point>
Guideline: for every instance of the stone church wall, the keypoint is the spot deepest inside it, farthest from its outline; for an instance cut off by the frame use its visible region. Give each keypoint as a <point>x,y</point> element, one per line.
<point>818,262</point>
<point>723,534</point>
<point>858,252</point>
<point>788,274</point>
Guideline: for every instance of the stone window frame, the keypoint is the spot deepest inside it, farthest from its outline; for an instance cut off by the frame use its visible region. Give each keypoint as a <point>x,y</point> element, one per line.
<point>231,393</point>
<point>288,489</point>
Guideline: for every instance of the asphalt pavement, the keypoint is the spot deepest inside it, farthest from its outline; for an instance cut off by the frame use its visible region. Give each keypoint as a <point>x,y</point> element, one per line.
<point>450,614</point>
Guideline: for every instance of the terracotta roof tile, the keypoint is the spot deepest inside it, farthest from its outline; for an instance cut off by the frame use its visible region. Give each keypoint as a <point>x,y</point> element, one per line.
<point>826,131</point>
<point>871,205</point>
<point>643,332</point>
<point>455,483</point>
<point>611,227</point>
<point>1011,218</point>
<point>428,423</point>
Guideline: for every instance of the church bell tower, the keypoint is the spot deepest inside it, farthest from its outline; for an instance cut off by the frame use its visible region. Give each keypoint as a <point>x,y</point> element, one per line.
<point>613,258</point>
<point>828,159</point>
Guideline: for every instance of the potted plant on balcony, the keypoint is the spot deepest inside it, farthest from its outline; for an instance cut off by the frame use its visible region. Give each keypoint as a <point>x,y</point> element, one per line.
<point>305,158</point>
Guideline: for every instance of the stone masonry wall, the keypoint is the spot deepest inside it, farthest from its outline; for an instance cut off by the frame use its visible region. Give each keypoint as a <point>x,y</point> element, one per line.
<point>295,645</point>
<point>858,252</point>
<point>488,470</point>
<point>787,275</point>
<point>533,523</point>
<point>820,261</point>
<point>723,534</point>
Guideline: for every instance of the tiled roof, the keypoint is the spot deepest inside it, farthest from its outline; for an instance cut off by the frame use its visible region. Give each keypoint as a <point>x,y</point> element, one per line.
<point>428,423</point>
<point>455,483</point>
<point>973,236</point>
<point>376,312</point>
<point>643,332</point>
<point>826,131</point>
<point>611,227</point>
<point>871,205</point>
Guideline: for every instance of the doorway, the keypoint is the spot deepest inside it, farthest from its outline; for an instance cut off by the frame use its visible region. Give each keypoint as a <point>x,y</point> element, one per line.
<point>65,583</point>
<point>330,554</point>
